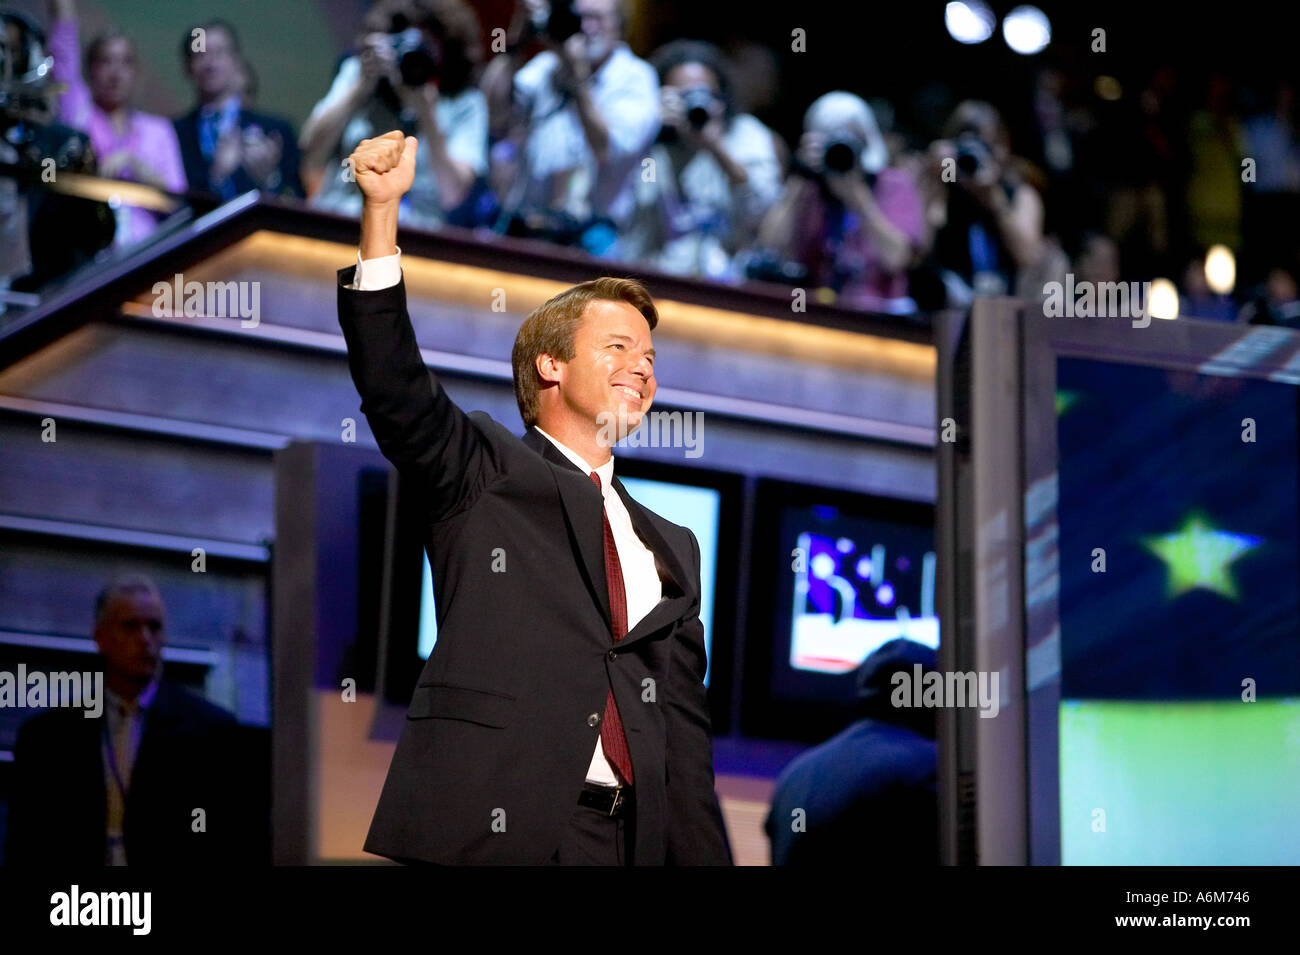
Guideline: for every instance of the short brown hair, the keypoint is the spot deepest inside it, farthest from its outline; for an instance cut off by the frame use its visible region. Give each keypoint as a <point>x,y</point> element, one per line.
<point>551,328</point>
<point>121,587</point>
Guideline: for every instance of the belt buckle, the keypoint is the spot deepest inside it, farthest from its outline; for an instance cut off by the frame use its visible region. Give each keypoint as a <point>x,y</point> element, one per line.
<point>618,801</point>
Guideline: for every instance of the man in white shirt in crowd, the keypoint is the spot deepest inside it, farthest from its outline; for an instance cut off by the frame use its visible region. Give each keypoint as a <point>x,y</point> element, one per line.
<point>591,108</point>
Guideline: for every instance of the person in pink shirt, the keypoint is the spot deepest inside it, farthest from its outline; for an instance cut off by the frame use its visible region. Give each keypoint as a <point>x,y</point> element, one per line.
<point>851,220</point>
<point>130,145</point>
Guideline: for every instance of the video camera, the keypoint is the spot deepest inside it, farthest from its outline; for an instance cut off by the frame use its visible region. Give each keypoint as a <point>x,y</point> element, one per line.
<point>26,72</point>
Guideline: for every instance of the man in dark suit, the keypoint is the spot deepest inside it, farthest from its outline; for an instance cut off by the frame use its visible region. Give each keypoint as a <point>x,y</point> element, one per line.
<point>227,149</point>
<point>561,717</point>
<point>123,787</point>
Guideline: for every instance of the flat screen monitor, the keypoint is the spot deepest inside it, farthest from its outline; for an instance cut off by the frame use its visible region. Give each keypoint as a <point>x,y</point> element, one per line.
<point>835,575</point>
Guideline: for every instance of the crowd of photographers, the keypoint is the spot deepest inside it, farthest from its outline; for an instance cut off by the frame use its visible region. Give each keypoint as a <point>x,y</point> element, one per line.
<point>559,131</point>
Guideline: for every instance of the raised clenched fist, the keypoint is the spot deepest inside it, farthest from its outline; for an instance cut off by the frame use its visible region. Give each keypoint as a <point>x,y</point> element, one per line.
<point>384,167</point>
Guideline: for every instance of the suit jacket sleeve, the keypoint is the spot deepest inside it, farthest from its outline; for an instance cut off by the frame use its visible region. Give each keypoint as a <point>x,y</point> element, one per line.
<point>696,834</point>
<point>416,425</point>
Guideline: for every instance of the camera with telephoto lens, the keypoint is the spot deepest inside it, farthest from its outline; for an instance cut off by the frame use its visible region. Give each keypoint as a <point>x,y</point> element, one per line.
<point>842,153</point>
<point>557,23</point>
<point>416,61</point>
<point>973,154</point>
<point>697,104</point>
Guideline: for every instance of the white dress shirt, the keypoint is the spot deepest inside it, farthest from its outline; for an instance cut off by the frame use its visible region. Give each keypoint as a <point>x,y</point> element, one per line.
<point>125,728</point>
<point>380,273</point>
<point>640,574</point>
<point>625,90</point>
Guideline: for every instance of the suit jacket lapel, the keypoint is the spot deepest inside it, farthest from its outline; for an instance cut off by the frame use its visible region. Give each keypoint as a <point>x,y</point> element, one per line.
<point>583,506</point>
<point>159,724</point>
<point>676,595</point>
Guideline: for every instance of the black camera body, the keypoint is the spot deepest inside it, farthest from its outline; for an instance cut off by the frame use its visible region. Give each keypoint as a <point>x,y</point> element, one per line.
<point>417,62</point>
<point>698,105</point>
<point>559,22</point>
<point>842,153</point>
<point>973,154</point>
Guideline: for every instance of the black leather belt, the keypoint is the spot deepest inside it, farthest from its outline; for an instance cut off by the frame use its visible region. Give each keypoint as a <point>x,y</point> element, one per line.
<point>611,800</point>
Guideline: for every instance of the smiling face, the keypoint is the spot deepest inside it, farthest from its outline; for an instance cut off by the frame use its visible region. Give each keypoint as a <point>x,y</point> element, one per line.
<point>610,379</point>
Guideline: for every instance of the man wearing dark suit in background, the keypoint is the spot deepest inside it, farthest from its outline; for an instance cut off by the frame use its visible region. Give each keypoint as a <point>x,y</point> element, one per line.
<point>121,788</point>
<point>561,717</point>
<point>866,796</point>
<point>227,149</point>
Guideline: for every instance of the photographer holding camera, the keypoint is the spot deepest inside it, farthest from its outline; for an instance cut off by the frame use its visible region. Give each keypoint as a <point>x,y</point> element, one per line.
<point>715,172</point>
<point>412,72</point>
<point>985,219</point>
<point>584,111</point>
<point>847,219</point>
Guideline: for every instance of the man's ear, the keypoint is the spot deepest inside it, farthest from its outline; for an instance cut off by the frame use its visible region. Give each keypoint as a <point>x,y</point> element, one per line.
<point>549,368</point>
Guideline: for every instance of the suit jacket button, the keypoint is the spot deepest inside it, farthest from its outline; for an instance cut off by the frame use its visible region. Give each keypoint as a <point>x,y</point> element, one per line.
<point>593,719</point>
<point>612,655</point>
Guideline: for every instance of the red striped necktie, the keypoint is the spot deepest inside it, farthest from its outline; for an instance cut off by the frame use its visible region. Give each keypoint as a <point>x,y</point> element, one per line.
<point>612,739</point>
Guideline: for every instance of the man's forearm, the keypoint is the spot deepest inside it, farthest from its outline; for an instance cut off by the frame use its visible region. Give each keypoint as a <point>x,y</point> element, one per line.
<point>737,176</point>
<point>453,178</point>
<point>378,229</point>
<point>894,245</point>
<point>593,124</point>
<point>321,132</point>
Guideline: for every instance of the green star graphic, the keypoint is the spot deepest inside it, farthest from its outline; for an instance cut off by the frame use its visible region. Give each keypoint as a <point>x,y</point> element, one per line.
<point>1198,555</point>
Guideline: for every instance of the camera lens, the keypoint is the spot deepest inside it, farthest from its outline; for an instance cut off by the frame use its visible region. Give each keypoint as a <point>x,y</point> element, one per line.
<point>697,102</point>
<point>417,62</point>
<point>972,153</point>
<point>418,67</point>
<point>840,157</point>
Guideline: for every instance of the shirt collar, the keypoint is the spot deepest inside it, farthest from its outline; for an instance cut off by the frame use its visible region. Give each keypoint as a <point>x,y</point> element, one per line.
<point>606,470</point>
<point>142,702</point>
<point>616,53</point>
<point>227,108</point>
